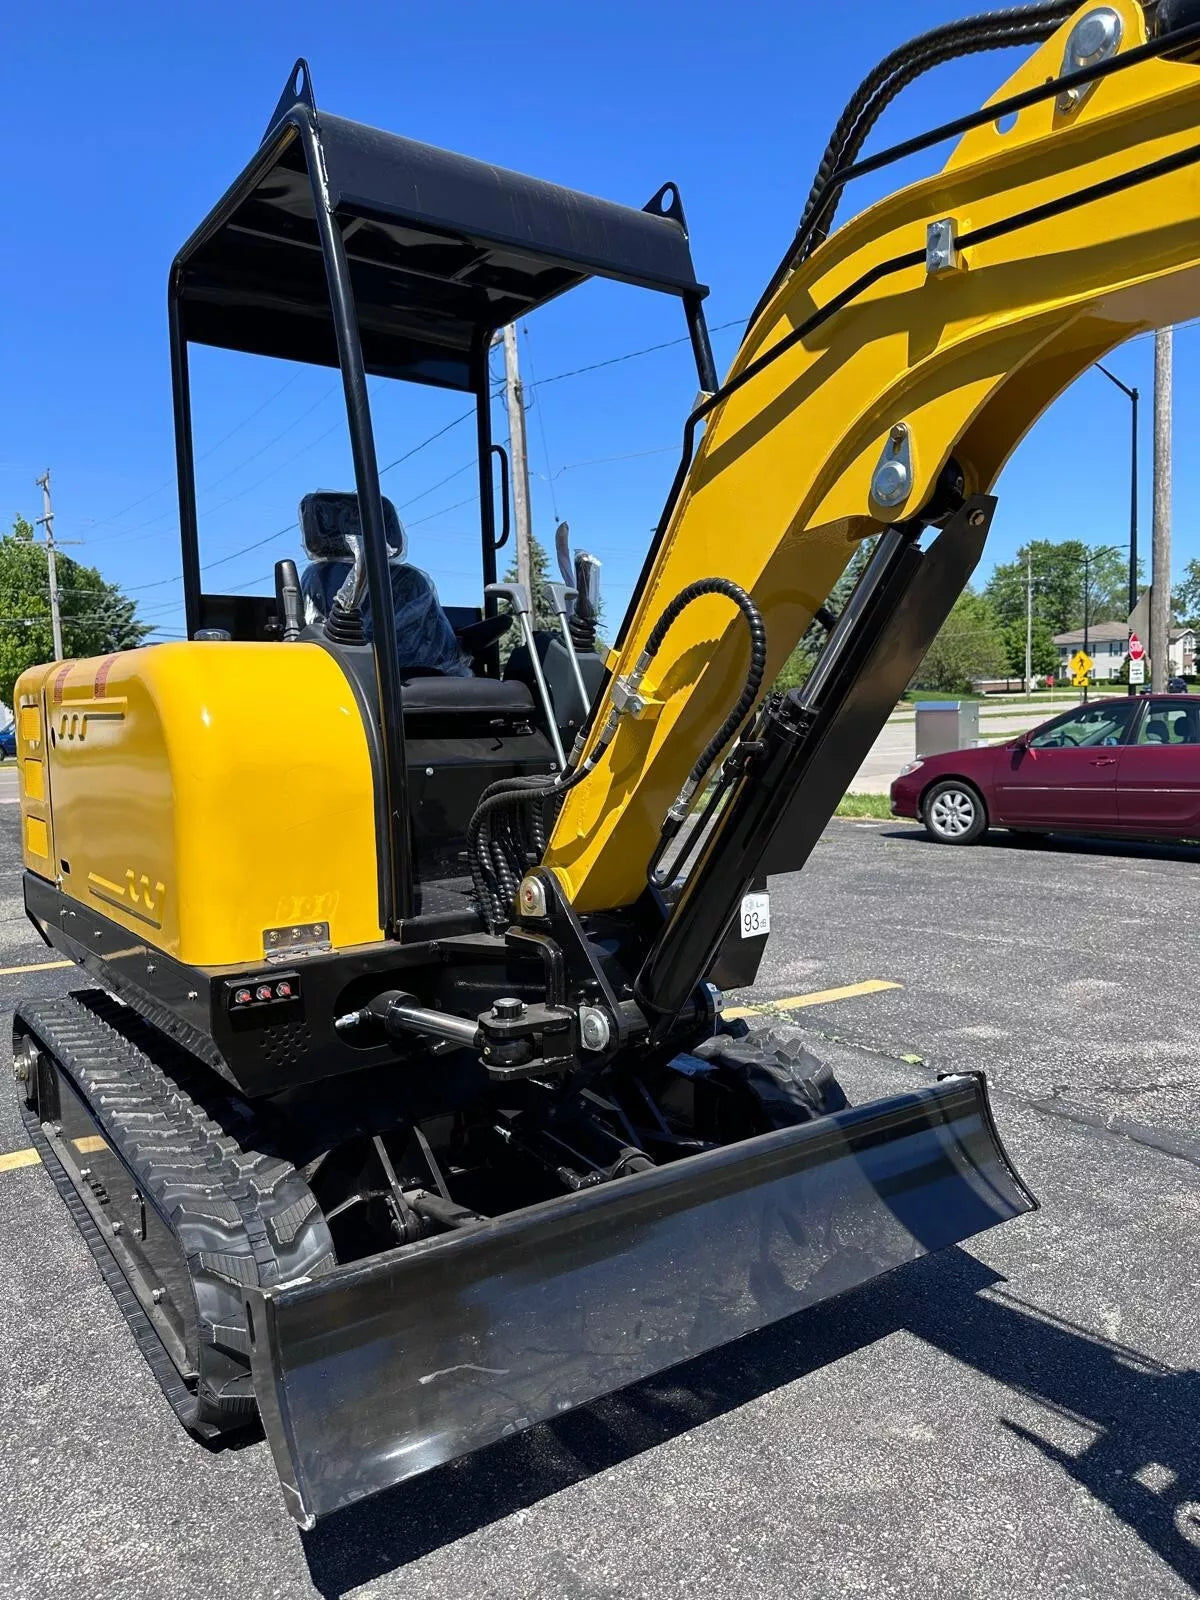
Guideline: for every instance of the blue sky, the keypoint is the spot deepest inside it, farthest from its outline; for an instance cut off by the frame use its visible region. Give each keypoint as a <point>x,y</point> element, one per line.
<point>124,124</point>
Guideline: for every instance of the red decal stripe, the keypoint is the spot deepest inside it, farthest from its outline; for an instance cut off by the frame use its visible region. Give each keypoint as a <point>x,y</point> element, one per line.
<point>102,672</point>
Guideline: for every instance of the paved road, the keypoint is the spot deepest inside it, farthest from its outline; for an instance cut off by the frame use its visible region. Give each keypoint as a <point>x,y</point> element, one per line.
<point>1019,1417</point>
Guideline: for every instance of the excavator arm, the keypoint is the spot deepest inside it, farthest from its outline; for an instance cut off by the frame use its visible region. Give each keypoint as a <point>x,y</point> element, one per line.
<point>882,384</point>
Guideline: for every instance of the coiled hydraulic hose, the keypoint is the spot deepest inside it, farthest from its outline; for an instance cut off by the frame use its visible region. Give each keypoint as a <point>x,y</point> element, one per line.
<point>754,677</point>
<point>508,829</point>
<point>989,30</point>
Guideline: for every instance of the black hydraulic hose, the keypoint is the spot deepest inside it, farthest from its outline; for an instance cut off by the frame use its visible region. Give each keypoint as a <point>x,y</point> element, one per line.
<point>987,31</point>
<point>754,677</point>
<point>930,51</point>
<point>501,831</point>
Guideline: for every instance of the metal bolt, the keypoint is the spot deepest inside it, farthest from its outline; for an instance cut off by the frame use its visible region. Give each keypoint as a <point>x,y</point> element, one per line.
<point>85,1172</point>
<point>941,247</point>
<point>193,994</point>
<point>429,772</point>
<point>149,966</point>
<point>1093,39</point>
<point>892,480</point>
<point>21,1069</point>
<point>157,1296</point>
<point>318,930</point>
<point>272,938</point>
<point>116,1227</point>
<point>977,519</point>
<point>508,1009</point>
<point>531,897</point>
<point>891,483</point>
<point>594,1028</point>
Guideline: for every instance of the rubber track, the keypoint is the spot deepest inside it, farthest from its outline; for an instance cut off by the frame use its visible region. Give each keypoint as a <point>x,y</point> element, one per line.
<point>241,1215</point>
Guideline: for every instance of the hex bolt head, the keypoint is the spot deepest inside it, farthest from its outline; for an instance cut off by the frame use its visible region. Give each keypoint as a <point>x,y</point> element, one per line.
<point>508,1009</point>
<point>157,1296</point>
<point>117,1227</point>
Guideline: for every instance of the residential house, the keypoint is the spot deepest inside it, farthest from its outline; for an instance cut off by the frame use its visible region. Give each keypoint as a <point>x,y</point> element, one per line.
<point>1108,644</point>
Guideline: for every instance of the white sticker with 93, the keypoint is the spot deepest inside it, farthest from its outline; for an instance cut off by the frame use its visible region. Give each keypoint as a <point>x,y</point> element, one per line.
<point>756,915</point>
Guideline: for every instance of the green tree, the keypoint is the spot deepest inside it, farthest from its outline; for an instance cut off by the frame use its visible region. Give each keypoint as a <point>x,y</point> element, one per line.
<point>1043,652</point>
<point>970,645</point>
<point>800,663</point>
<point>96,617</point>
<point>1058,586</point>
<point>1186,599</point>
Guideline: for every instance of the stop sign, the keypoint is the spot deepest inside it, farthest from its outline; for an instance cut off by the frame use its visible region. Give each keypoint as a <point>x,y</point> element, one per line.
<point>1136,648</point>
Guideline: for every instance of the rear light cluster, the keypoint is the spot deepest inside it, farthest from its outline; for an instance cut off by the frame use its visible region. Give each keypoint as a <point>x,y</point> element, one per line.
<point>264,992</point>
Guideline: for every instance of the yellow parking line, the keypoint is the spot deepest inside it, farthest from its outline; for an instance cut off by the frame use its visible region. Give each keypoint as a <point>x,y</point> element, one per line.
<point>820,997</point>
<point>35,966</point>
<point>18,1158</point>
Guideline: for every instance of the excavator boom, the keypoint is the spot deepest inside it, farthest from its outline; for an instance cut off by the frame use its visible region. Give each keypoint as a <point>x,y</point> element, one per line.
<point>923,338</point>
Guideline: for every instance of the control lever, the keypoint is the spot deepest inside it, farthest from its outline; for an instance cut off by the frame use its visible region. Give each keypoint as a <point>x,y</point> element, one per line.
<point>587,584</point>
<point>518,598</point>
<point>559,594</point>
<point>289,599</point>
<point>562,550</point>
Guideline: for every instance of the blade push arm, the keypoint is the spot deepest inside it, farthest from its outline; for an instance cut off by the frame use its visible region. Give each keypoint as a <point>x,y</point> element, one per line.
<point>934,328</point>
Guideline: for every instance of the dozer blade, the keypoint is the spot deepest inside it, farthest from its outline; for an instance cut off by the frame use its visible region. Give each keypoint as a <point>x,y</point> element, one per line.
<point>382,1370</point>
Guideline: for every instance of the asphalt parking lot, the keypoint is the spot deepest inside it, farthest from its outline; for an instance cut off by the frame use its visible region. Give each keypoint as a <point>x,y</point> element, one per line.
<point>1020,1416</point>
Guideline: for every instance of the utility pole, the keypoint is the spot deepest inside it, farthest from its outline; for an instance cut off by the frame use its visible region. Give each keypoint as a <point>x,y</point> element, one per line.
<point>46,520</point>
<point>1160,556</point>
<point>520,462</point>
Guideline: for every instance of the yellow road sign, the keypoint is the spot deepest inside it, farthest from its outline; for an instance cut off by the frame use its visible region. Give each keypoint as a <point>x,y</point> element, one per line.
<point>1081,664</point>
<point>1080,680</point>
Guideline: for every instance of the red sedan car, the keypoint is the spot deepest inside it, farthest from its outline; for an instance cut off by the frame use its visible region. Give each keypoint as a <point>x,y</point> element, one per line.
<point>1128,766</point>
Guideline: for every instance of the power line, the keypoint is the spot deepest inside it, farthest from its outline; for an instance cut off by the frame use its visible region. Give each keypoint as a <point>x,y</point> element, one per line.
<point>418,447</point>
<point>541,417</point>
<point>170,482</point>
<point>630,355</point>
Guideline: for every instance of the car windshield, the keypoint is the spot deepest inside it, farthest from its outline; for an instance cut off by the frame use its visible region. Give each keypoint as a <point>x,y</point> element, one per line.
<point>1106,723</point>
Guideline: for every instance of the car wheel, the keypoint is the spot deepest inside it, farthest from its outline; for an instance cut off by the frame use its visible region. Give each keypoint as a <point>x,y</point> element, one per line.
<point>954,812</point>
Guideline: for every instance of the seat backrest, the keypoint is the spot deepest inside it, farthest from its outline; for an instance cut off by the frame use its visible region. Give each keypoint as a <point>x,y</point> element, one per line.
<point>329,520</point>
<point>425,639</point>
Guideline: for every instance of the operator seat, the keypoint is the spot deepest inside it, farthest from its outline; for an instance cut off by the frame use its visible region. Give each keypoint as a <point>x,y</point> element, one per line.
<point>435,669</point>
<point>425,639</point>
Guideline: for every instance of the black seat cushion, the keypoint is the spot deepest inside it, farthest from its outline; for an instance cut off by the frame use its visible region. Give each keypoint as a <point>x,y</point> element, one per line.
<point>474,697</point>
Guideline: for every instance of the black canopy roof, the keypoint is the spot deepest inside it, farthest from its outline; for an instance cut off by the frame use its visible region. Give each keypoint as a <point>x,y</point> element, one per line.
<point>442,249</point>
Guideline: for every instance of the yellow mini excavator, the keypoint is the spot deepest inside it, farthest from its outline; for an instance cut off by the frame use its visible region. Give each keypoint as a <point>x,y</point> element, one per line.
<point>403,1114</point>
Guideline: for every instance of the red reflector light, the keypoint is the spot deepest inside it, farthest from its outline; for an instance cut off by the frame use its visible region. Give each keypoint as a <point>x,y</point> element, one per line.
<point>263,992</point>
<point>243,997</point>
<point>283,991</point>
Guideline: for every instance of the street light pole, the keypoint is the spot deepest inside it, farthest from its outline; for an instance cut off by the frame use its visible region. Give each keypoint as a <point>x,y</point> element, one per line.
<point>1131,395</point>
<point>1029,619</point>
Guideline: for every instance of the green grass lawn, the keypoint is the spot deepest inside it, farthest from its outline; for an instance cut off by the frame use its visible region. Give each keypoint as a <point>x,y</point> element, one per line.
<point>877,806</point>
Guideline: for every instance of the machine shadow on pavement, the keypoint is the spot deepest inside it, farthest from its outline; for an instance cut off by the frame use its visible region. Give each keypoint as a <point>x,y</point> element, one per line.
<point>1062,844</point>
<point>1143,1462</point>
